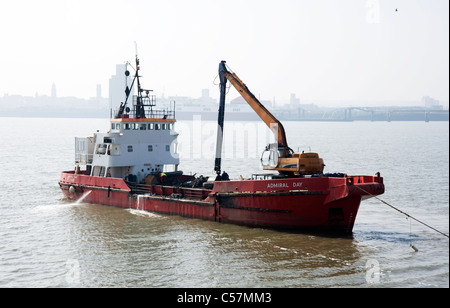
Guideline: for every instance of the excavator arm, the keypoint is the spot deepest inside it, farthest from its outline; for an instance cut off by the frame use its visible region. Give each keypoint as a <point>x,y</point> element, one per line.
<point>280,156</point>
<point>275,126</point>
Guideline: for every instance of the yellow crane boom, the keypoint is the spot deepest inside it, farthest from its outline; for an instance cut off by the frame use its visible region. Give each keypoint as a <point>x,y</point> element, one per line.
<point>280,156</point>
<point>275,126</point>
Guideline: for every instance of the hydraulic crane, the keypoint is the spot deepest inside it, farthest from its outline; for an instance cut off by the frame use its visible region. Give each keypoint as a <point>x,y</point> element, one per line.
<point>278,156</point>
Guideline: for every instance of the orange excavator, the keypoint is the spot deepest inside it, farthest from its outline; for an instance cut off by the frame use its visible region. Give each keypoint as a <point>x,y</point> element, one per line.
<point>277,156</point>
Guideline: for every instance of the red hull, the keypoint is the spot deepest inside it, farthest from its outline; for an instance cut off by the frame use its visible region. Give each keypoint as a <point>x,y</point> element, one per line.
<point>314,203</point>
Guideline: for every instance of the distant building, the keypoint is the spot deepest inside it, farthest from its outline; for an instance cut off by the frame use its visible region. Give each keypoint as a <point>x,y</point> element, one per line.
<point>117,84</point>
<point>294,102</point>
<point>431,103</point>
<point>206,99</point>
<point>205,94</point>
<point>99,91</point>
<point>53,90</point>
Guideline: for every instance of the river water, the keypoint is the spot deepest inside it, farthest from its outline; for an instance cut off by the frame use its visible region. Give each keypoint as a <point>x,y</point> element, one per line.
<point>48,241</point>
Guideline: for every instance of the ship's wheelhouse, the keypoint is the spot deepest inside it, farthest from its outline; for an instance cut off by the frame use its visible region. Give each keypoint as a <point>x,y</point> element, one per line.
<point>141,140</point>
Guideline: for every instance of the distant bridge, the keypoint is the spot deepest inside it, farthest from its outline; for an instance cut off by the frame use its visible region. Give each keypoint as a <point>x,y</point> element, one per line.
<point>389,112</point>
<point>348,114</point>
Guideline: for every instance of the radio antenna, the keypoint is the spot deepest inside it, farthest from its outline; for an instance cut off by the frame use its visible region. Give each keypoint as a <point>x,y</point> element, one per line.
<point>135,46</point>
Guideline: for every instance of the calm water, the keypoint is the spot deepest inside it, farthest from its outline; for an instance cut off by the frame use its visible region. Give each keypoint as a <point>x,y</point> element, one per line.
<point>47,241</point>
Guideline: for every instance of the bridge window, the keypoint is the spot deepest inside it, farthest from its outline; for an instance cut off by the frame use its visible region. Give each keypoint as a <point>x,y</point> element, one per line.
<point>115,126</point>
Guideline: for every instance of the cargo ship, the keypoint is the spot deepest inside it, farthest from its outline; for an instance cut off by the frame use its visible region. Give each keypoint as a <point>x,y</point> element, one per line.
<point>135,165</point>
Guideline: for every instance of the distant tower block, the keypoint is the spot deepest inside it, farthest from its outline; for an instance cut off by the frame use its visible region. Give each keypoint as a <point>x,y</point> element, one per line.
<point>53,90</point>
<point>205,93</point>
<point>294,102</point>
<point>117,83</point>
<point>99,91</point>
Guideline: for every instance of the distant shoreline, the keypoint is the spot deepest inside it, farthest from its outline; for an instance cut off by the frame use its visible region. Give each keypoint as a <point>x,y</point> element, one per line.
<point>97,116</point>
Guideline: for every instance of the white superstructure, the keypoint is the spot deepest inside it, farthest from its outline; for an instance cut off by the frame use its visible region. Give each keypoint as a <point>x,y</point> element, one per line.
<point>141,140</point>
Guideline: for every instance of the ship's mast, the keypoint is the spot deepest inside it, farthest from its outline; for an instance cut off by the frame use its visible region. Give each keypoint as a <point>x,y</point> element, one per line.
<point>139,107</point>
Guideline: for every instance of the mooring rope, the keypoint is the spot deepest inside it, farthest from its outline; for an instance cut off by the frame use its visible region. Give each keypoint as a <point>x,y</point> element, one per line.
<point>407,215</point>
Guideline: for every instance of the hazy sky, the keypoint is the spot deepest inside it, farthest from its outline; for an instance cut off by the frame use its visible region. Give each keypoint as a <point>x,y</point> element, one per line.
<point>318,49</point>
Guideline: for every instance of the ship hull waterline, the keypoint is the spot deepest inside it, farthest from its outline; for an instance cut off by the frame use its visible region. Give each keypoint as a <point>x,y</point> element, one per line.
<point>319,204</point>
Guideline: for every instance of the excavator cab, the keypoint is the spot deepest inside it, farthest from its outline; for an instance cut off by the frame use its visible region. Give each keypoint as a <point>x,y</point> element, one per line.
<point>294,164</point>
<point>270,156</point>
